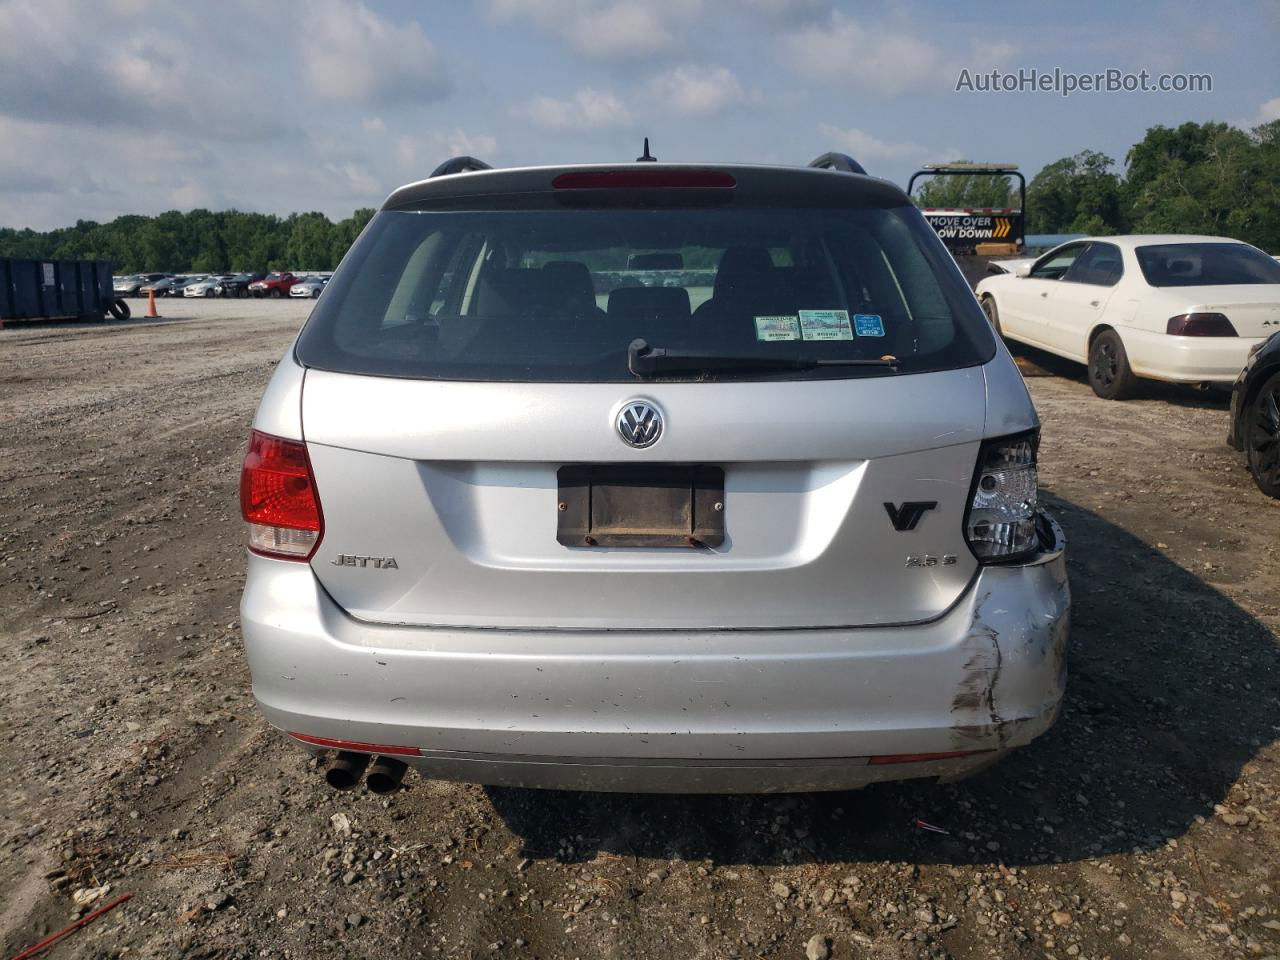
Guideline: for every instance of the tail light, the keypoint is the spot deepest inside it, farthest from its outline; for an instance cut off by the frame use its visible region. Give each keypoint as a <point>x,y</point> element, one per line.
<point>1001,521</point>
<point>1200,325</point>
<point>278,498</point>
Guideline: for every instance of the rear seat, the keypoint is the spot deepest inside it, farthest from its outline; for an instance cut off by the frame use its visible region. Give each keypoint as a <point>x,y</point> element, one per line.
<point>659,314</point>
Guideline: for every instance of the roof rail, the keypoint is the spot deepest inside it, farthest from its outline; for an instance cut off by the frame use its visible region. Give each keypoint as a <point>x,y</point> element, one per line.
<point>459,165</point>
<point>838,161</point>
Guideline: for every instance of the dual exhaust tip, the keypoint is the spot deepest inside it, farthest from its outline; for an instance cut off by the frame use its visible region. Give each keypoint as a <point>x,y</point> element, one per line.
<point>384,774</point>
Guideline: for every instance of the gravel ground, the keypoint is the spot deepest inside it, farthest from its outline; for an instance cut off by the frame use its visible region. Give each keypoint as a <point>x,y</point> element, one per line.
<point>1143,825</point>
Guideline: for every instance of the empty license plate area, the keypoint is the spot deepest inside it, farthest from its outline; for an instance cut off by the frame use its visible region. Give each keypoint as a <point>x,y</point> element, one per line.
<point>654,505</point>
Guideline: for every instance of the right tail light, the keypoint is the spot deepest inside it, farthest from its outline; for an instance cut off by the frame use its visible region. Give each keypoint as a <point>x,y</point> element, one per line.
<point>1001,522</point>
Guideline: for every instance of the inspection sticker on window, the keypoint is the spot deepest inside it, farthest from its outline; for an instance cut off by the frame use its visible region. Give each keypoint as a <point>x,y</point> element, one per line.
<point>777,328</point>
<point>825,325</point>
<point>868,325</point>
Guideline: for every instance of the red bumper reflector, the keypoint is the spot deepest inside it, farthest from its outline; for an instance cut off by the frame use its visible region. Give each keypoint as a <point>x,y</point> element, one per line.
<point>921,757</point>
<point>355,746</point>
<point>630,179</point>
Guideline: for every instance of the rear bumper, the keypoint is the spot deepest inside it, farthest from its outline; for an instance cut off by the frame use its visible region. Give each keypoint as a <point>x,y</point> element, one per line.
<point>1186,359</point>
<point>671,711</point>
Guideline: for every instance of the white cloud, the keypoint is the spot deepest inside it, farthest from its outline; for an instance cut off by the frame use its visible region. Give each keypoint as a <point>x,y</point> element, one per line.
<point>1269,111</point>
<point>78,174</point>
<point>862,145</point>
<point>605,28</point>
<point>62,61</point>
<point>793,10</point>
<point>356,177</point>
<point>696,91</point>
<point>588,109</point>
<point>876,60</point>
<point>349,53</point>
<point>417,156</point>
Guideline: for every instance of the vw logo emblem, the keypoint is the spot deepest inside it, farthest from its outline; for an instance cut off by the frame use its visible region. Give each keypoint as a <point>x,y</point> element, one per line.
<point>639,423</point>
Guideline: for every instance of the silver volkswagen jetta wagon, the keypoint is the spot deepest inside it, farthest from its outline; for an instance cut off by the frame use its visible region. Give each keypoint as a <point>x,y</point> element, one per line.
<point>651,477</point>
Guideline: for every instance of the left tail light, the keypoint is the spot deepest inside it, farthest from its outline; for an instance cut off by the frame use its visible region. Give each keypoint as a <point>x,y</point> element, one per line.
<point>278,498</point>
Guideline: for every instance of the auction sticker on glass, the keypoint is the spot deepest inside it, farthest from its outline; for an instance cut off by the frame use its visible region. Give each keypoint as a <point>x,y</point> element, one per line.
<point>777,328</point>
<point>825,325</point>
<point>868,325</point>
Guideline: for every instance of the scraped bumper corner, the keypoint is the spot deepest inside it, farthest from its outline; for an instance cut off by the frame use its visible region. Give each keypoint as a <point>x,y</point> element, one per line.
<point>1015,664</point>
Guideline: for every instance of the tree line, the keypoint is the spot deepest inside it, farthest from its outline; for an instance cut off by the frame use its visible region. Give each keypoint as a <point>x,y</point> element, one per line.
<point>199,241</point>
<point>1209,178</point>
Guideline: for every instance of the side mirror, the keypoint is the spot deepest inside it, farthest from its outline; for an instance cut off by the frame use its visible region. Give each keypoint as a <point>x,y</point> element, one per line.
<point>1022,270</point>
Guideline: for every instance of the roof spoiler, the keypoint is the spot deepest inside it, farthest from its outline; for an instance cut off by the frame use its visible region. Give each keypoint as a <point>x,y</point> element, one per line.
<point>841,162</point>
<point>459,165</point>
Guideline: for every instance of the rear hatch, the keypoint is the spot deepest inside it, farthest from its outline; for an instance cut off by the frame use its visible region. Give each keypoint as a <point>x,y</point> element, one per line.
<point>474,354</point>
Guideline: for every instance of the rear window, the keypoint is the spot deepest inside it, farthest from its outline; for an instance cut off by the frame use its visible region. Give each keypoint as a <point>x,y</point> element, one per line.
<point>558,294</point>
<point>1205,264</point>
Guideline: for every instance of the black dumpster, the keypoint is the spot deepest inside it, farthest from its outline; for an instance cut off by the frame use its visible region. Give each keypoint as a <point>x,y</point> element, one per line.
<point>54,289</point>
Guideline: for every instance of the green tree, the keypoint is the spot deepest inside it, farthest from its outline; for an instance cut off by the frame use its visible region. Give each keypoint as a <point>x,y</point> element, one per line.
<point>310,243</point>
<point>1207,178</point>
<point>966,191</point>
<point>346,231</point>
<point>1079,194</point>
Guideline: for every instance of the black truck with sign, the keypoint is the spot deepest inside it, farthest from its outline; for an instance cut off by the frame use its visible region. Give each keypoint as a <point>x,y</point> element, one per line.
<point>975,235</point>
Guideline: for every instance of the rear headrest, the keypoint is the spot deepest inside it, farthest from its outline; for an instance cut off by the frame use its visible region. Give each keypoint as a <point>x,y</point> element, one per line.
<point>742,268</point>
<point>570,281</point>
<point>561,286</point>
<point>649,303</point>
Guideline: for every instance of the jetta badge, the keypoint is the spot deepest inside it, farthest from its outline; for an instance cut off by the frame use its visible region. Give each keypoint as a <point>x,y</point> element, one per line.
<point>360,560</point>
<point>639,423</point>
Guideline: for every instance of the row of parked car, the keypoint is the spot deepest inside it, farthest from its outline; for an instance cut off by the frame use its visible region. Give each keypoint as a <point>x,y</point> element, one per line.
<point>275,284</point>
<point>1196,310</point>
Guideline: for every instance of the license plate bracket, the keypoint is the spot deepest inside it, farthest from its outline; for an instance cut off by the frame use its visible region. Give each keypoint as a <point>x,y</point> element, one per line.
<point>649,505</point>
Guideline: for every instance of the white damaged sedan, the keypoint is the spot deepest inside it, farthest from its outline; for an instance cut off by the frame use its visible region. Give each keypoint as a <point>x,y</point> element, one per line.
<point>1184,309</point>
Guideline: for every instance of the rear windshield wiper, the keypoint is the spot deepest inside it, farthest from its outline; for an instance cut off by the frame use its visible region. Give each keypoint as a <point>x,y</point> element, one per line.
<point>645,361</point>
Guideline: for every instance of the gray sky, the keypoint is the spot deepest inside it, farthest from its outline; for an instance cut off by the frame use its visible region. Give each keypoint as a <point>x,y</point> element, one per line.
<point>138,106</point>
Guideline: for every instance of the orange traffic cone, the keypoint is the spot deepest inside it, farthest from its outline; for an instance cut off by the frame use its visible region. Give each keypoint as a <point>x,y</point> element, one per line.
<point>151,304</point>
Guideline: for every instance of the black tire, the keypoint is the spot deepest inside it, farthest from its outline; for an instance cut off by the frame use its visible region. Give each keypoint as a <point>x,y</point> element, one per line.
<point>120,309</point>
<point>1262,437</point>
<point>1109,372</point>
<point>275,293</point>
<point>211,292</point>
<point>993,314</point>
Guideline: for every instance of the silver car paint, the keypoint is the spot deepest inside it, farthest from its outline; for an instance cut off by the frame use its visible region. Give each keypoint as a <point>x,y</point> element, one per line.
<point>704,706</point>
<point>467,503</point>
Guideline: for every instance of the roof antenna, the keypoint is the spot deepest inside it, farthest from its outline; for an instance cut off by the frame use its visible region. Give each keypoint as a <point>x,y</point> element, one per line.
<point>648,157</point>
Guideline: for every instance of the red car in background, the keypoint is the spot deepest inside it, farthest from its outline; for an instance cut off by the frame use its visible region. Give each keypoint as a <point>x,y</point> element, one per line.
<point>273,285</point>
